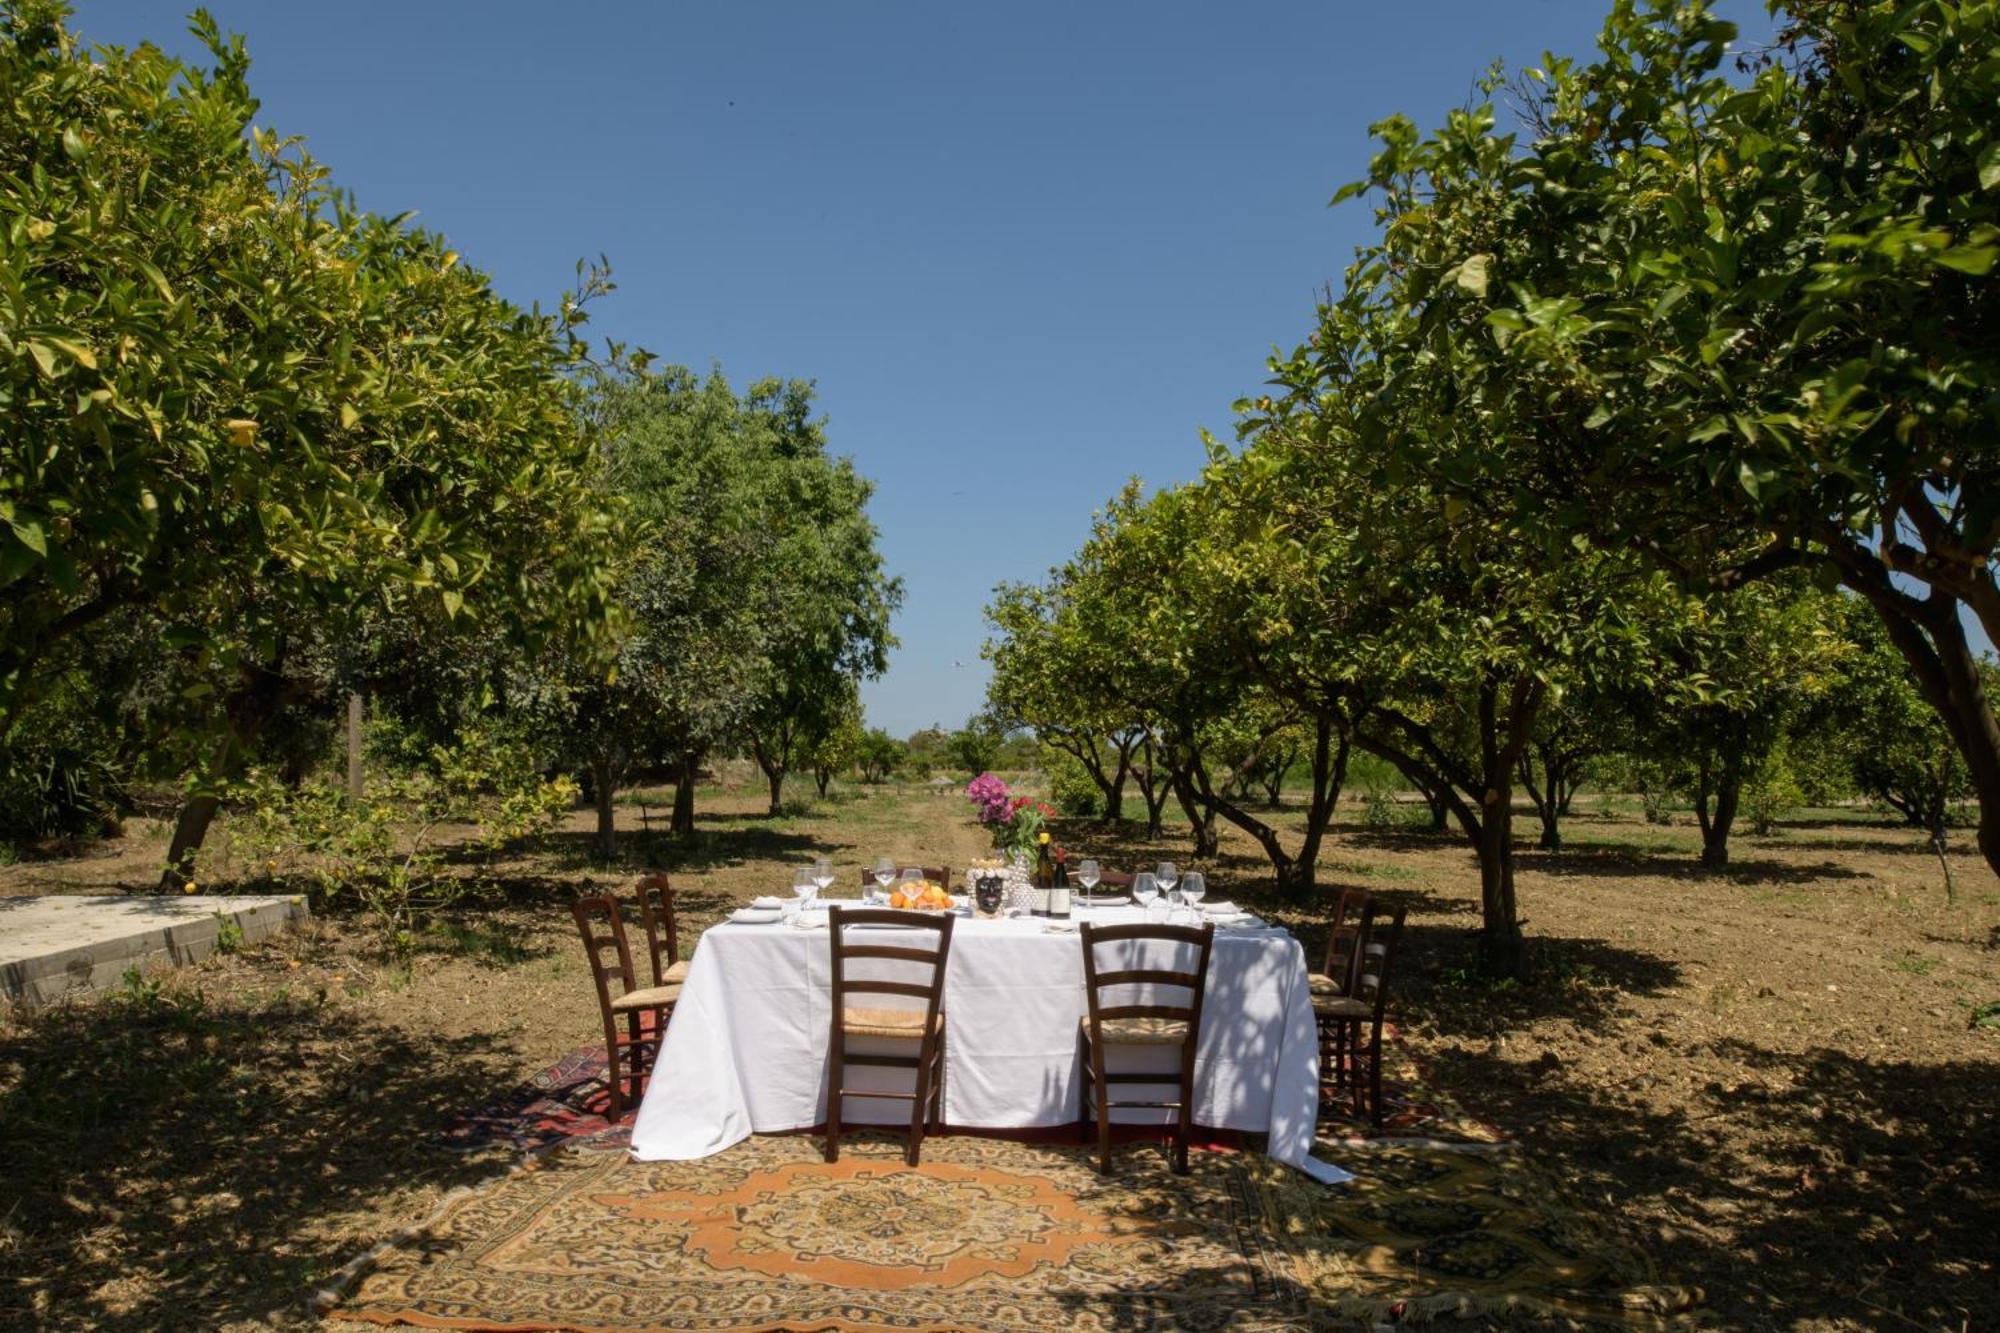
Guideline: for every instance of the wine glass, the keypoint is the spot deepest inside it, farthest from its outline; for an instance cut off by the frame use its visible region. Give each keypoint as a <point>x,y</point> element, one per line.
<point>1168,877</point>
<point>1145,888</point>
<point>823,874</point>
<point>911,877</point>
<point>883,874</point>
<point>1194,886</point>
<point>802,885</point>
<point>1087,875</point>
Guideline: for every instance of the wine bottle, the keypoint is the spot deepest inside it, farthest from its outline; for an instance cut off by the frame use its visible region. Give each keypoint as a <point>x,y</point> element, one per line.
<point>1045,875</point>
<point>1059,896</point>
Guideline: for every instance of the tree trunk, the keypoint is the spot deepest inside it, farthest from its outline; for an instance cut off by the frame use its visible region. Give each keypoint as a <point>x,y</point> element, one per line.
<point>1715,825</point>
<point>774,773</point>
<point>1200,818</point>
<point>354,748</point>
<point>1932,639</point>
<point>822,777</point>
<point>259,697</point>
<point>682,823</point>
<point>604,784</point>
<point>1500,949</point>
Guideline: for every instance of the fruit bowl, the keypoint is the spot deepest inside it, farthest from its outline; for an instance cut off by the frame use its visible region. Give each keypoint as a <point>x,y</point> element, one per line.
<point>922,896</point>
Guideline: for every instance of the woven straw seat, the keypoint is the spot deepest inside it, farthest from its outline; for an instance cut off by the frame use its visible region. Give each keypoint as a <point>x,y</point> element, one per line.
<point>1322,984</point>
<point>649,997</point>
<point>1340,1006</point>
<point>676,974</point>
<point>885,1022</point>
<point>1141,1031</point>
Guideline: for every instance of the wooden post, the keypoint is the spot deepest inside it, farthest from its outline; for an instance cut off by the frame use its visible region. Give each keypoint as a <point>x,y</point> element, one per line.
<point>354,748</point>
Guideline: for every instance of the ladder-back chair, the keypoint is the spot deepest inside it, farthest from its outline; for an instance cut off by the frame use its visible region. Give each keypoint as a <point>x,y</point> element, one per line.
<point>874,947</point>
<point>1158,1024</point>
<point>663,936</point>
<point>629,1053</point>
<point>1356,1018</point>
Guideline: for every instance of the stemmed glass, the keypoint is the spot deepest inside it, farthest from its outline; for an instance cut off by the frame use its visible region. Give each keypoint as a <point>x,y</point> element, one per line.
<point>883,874</point>
<point>1194,886</point>
<point>1087,875</point>
<point>1167,877</point>
<point>911,877</point>
<point>822,874</point>
<point>803,887</point>
<point>1145,888</point>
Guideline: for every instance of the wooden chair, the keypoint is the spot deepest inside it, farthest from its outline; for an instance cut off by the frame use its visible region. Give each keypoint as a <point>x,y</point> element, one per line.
<point>1356,1018</point>
<point>924,1026</point>
<point>1109,882</point>
<point>1136,1024</point>
<point>629,1054</point>
<point>938,875</point>
<point>1336,974</point>
<point>663,936</point>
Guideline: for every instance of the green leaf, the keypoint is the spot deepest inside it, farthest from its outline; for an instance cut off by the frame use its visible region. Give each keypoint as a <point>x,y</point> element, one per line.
<point>454,602</point>
<point>1471,274</point>
<point>1974,259</point>
<point>44,357</point>
<point>30,535</point>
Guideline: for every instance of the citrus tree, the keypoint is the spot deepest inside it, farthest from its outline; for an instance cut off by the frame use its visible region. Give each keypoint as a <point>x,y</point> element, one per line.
<point>235,405</point>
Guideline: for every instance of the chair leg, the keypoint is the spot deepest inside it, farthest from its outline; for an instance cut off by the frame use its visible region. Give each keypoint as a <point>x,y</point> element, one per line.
<point>834,1077</point>
<point>914,1153</point>
<point>1103,1112</point>
<point>937,1092</point>
<point>1375,1078</point>
<point>1185,1129</point>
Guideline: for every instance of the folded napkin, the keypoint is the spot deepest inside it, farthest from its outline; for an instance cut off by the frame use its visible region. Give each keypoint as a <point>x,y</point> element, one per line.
<point>1221,907</point>
<point>755,916</point>
<point>806,921</point>
<point>768,903</point>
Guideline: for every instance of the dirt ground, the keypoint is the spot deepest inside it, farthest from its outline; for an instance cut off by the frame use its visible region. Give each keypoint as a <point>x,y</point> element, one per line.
<point>1767,1078</point>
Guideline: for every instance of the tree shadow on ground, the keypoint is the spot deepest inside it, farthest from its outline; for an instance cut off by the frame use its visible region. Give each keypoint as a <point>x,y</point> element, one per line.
<point>176,1161</point>
<point>1916,844</point>
<point>708,849</point>
<point>1637,862</point>
<point>1824,1186</point>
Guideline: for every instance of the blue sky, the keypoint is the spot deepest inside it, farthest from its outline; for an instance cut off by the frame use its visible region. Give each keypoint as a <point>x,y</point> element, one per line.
<point>1026,250</point>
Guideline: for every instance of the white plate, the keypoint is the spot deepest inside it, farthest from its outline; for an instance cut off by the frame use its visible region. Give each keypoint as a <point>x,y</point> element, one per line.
<point>807,921</point>
<point>756,916</point>
<point>1059,928</point>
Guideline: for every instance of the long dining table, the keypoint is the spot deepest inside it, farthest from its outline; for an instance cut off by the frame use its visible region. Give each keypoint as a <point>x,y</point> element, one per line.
<point>746,1050</point>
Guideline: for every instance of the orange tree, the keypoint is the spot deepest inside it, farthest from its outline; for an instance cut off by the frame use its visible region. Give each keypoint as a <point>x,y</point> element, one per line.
<point>247,413</point>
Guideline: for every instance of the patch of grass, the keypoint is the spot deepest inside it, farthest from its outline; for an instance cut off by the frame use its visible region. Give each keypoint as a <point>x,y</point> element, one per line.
<point>228,933</point>
<point>490,944</point>
<point>1986,1016</point>
<point>1916,964</point>
<point>1382,870</point>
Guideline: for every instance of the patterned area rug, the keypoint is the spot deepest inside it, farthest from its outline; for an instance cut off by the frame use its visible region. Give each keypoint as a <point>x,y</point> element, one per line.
<point>1415,1109</point>
<point>986,1234</point>
<point>994,1234</point>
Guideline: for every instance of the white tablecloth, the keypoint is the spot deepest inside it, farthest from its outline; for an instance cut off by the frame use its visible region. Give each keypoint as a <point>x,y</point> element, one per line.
<point>746,1051</point>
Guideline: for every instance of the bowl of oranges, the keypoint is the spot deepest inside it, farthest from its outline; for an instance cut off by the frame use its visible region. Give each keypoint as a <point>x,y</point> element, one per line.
<point>920,895</point>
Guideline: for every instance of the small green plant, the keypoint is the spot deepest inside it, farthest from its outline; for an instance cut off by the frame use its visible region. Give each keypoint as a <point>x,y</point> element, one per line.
<point>228,933</point>
<point>137,990</point>
<point>1986,1016</point>
<point>1916,965</point>
<point>380,856</point>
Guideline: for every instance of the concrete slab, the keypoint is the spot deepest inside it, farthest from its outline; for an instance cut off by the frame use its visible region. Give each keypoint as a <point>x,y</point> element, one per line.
<point>61,944</point>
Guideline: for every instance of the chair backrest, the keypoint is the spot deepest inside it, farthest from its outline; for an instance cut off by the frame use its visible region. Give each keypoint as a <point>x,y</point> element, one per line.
<point>603,931</point>
<point>1114,879</point>
<point>1341,933</point>
<point>1376,955</point>
<point>919,960</point>
<point>1192,979</point>
<point>663,937</point>
<point>938,875</point>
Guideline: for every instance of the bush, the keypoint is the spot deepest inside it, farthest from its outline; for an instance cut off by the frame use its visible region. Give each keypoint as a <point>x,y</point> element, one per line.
<point>1772,790</point>
<point>1071,788</point>
<point>380,856</point>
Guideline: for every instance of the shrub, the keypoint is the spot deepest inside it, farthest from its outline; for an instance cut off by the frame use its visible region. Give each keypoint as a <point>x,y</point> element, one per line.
<point>381,856</point>
<point>1071,788</point>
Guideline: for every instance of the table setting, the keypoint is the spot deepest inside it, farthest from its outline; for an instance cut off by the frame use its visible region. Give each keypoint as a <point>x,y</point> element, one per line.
<point>747,1049</point>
